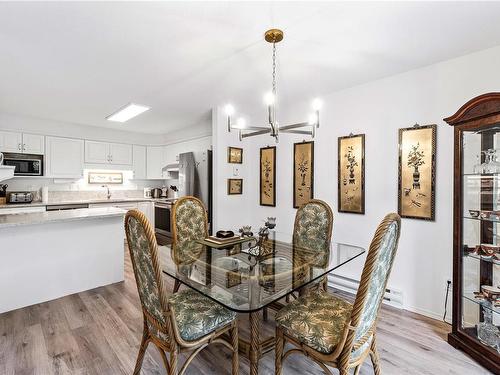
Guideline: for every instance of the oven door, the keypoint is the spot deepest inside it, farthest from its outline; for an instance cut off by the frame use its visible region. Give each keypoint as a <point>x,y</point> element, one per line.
<point>162,219</point>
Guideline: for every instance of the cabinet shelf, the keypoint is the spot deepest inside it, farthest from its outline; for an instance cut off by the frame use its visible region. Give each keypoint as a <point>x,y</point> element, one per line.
<point>481,219</point>
<point>479,257</point>
<point>489,306</point>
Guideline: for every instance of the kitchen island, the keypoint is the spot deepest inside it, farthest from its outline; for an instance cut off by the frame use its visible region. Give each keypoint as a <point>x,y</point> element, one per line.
<point>47,255</point>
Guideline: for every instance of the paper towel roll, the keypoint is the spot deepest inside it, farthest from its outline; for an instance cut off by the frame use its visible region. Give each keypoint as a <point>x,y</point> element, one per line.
<point>45,194</point>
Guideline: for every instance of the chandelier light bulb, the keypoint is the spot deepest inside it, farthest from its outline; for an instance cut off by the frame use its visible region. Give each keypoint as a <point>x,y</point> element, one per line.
<point>269,99</point>
<point>240,123</point>
<point>229,109</point>
<point>317,104</point>
<point>313,119</point>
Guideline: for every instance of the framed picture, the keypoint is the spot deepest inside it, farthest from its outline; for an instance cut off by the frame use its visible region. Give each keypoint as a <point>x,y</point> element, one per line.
<point>417,172</point>
<point>234,186</point>
<point>303,173</point>
<point>235,155</point>
<point>105,178</point>
<point>351,174</point>
<point>268,176</point>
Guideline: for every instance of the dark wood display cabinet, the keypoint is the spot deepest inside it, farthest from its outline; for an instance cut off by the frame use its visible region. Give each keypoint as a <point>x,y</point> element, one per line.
<point>476,233</point>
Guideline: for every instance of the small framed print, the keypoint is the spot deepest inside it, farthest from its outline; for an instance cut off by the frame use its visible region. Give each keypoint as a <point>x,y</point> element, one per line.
<point>234,186</point>
<point>268,176</point>
<point>100,178</point>
<point>235,155</point>
<point>417,172</point>
<point>351,174</point>
<point>303,173</point>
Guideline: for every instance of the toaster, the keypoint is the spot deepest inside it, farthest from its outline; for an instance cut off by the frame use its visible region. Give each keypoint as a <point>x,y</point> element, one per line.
<point>20,197</point>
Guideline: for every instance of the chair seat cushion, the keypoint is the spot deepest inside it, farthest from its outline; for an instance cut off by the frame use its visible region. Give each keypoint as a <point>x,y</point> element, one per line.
<point>197,315</point>
<point>317,319</point>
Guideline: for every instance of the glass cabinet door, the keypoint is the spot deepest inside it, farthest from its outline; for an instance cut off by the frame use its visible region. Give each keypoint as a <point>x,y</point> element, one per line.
<point>480,265</point>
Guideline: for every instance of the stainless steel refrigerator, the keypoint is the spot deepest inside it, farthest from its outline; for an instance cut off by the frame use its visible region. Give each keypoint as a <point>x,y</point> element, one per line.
<point>195,177</point>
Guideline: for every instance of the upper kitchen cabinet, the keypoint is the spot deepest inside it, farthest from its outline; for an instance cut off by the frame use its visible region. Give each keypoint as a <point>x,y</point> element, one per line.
<point>156,160</point>
<point>108,153</point>
<point>23,143</point>
<point>64,157</point>
<point>139,158</point>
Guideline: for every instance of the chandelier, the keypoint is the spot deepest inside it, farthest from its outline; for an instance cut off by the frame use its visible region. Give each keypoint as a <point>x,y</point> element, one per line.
<point>309,127</point>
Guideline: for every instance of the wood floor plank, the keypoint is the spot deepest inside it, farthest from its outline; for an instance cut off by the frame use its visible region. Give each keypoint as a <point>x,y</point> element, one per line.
<point>98,333</point>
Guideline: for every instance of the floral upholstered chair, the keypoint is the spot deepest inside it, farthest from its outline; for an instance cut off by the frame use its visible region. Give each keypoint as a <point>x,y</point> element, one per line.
<point>190,223</point>
<point>183,321</point>
<point>330,330</point>
<point>313,230</point>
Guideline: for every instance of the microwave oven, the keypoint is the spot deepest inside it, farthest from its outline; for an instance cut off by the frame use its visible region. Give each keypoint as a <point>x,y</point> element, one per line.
<point>26,164</point>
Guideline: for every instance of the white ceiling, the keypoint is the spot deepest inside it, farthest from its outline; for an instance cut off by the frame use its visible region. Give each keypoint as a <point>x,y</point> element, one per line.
<point>80,61</point>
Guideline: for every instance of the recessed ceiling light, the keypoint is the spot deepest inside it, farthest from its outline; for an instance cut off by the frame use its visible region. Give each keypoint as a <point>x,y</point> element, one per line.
<point>126,113</point>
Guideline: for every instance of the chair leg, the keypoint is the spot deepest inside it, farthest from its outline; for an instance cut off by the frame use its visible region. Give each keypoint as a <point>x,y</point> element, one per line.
<point>173,362</point>
<point>142,349</point>
<point>375,357</point>
<point>164,359</point>
<point>234,342</point>
<point>177,285</point>
<point>279,347</point>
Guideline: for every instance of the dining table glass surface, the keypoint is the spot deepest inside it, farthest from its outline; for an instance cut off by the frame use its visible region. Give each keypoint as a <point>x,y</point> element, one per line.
<point>250,275</point>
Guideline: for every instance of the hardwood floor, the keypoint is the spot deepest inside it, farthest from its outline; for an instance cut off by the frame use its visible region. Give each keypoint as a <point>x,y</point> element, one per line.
<point>98,332</point>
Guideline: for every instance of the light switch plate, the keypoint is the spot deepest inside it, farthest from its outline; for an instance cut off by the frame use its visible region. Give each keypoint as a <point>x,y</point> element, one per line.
<point>236,171</point>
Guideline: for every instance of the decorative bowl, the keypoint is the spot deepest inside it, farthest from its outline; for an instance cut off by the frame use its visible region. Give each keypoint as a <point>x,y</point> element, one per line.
<point>490,292</point>
<point>474,213</point>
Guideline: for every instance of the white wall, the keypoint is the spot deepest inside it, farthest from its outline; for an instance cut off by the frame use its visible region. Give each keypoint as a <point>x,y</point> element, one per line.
<point>378,109</point>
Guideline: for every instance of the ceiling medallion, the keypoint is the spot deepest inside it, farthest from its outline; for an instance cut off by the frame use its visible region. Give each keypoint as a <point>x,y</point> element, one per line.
<point>274,36</point>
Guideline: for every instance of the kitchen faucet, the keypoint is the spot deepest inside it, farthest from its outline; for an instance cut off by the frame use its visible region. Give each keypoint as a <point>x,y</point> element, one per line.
<point>108,191</point>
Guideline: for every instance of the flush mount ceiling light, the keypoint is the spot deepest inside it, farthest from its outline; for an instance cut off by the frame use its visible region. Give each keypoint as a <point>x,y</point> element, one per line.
<point>126,113</point>
<point>274,36</point>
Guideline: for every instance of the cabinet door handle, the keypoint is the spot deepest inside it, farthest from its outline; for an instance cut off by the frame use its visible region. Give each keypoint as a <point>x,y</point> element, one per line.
<point>24,146</point>
<point>19,146</point>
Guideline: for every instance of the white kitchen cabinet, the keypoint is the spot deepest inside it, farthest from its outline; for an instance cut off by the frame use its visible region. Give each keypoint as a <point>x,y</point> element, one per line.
<point>33,144</point>
<point>120,153</point>
<point>96,152</point>
<point>108,153</point>
<point>156,160</point>
<point>23,143</point>
<point>139,162</point>
<point>11,142</point>
<point>64,157</point>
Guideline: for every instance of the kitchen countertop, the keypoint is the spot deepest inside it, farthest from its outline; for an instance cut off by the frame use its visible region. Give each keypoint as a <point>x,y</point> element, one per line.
<point>83,201</point>
<point>34,218</point>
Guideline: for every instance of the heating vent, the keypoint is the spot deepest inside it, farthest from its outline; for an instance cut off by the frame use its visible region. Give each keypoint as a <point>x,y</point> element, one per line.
<point>392,297</point>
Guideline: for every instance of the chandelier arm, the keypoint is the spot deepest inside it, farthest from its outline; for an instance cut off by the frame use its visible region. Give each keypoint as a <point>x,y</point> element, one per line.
<point>260,132</point>
<point>253,128</point>
<point>294,126</point>
<point>306,132</point>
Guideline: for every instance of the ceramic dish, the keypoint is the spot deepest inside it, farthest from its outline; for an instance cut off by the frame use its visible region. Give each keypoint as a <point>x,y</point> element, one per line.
<point>485,214</point>
<point>490,292</point>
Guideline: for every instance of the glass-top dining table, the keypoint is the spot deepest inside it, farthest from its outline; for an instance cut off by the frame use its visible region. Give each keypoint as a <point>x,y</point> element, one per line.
<point>252,274</point>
